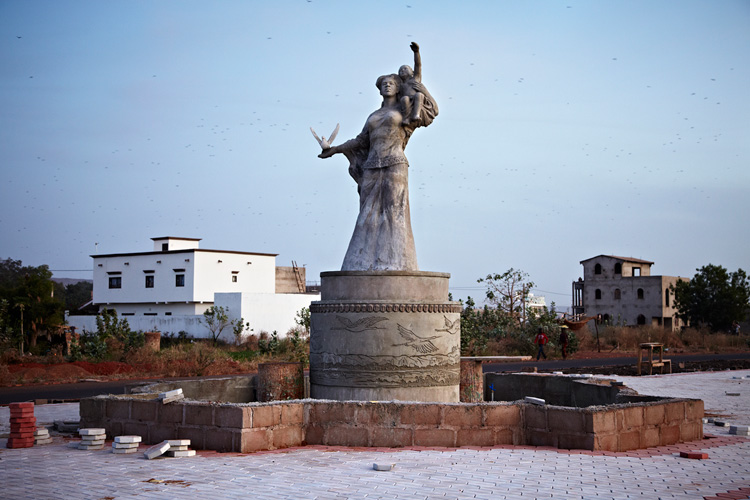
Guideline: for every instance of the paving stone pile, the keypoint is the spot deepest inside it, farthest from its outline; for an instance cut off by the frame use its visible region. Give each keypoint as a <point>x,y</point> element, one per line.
<point>179,448</point>
<point>125,444</point>
<point>41,436</point>
<point>92,438</point>
<point>22,425</point>
<point>175,448</point>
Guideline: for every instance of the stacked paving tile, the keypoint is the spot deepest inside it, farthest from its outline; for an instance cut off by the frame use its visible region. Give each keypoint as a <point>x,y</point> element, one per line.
<point>41,436</point>
<point>125,444</point>
<point>740,430</point>
<point>22,425</point>
<point>92,439</point>
<point>175,448</point>
<point>179,448</point>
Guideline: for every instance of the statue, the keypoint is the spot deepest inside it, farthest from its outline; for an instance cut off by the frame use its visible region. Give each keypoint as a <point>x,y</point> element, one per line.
<point>382,238</point>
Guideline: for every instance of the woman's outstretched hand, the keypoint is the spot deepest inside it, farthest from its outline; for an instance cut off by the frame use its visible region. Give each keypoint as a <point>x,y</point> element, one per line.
<point>327,153</point>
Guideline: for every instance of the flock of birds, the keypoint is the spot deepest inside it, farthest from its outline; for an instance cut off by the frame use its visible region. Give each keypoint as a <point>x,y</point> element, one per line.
<point>171,188</point>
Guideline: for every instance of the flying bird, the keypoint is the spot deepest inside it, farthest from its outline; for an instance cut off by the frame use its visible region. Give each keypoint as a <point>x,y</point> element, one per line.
<point>326,143</point>
<point>451,327</point>
<point>422,345</point>
<point>360,325</point>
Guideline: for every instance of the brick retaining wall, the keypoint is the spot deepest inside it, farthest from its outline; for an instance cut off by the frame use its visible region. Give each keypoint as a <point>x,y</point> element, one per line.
<point>282,424</point>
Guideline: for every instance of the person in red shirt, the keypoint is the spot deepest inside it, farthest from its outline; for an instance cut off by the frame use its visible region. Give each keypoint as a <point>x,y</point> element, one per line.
<point>541,339</point>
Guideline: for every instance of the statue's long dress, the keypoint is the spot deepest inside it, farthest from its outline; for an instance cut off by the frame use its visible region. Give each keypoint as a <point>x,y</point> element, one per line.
<point>382,238</point>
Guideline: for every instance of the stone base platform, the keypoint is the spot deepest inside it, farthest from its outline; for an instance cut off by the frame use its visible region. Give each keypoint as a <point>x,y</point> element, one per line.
<point>383,336</point>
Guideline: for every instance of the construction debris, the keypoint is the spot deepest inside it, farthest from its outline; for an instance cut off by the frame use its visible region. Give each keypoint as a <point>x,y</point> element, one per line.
<point>67,426</point>
<point>170,396</point>
<point>740,430</point>
<point>536,401</point>
<point>157,450</point>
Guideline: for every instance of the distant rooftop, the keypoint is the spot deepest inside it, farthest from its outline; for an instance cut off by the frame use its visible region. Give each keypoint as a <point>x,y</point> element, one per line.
<point>624,259</point>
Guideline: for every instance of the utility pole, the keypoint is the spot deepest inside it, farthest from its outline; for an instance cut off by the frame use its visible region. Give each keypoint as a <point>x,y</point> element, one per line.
<point>21,307</point>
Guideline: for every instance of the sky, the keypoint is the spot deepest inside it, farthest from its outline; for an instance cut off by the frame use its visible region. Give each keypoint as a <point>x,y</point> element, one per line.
<point>567,129</point>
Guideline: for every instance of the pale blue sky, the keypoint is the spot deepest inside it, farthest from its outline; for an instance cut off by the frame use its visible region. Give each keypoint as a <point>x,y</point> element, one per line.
<point>566,130</point>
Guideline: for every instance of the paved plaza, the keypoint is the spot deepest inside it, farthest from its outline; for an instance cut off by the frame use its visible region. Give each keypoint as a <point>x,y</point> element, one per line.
<point>514,472</point>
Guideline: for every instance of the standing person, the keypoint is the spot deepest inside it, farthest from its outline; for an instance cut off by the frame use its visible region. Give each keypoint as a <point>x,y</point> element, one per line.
<point>735,328</point>
<point>541,339</point>
<point>564,341</point>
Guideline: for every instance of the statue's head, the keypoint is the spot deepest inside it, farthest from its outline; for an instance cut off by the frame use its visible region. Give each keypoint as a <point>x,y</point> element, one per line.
<point>405,72</point>
<point>393,84</point>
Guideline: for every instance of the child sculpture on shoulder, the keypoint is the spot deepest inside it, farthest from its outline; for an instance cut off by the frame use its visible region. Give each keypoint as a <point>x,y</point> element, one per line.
<point>413,95</point>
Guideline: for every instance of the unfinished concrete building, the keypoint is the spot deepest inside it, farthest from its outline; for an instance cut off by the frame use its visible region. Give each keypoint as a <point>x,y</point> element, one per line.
<point>622,291</point>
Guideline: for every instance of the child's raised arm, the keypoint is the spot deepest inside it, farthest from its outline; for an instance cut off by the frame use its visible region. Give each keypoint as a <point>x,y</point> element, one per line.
<point>417,62</point>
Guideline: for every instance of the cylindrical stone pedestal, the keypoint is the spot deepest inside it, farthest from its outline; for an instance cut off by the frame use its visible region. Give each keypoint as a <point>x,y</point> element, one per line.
<point>280,381</point>
<point>385,335</point>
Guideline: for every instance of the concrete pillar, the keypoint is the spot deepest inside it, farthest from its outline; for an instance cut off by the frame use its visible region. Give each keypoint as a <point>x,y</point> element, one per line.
<point>280,381</point>
<point>153,341</point>
<point>472,381</point>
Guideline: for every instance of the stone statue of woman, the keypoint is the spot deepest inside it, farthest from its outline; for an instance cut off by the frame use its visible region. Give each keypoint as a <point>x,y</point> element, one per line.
<point>383,239</point>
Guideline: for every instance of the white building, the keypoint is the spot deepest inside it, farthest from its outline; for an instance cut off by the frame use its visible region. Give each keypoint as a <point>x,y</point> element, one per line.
<point>169,288</point>
<point>537,303</point>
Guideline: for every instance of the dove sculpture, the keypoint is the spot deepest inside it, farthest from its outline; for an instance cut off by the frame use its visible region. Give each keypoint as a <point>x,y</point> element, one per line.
<point>326,143</point>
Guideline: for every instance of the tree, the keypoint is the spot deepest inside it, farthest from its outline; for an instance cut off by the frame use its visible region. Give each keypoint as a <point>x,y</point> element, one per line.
<point>509,292</point>
<point>238,327</point>
<point>34,305</point>
<point>302,318</point>
<point>78,294</point>
<point>216,319</point>
<point>713,298</point>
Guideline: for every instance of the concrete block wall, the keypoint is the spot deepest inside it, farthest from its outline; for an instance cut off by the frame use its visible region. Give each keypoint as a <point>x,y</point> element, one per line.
<point>554,389</point>
<point>614,428</point>
<point>393,424</point>
<point>283,424</point>
<point>209,426</point>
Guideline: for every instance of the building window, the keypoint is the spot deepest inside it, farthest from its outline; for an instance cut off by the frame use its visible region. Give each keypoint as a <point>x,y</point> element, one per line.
<point>666,297</point>
<point>617,294</point>
<point>149,314</point>
<point>618,268</point>
<point>234,278</point>
<point>598,269</point>
<point>164,247</point>
<point>167,313</point>
<point>115,281</point>
<point>636,271</point>
<point>641,319</point>
<point>127,314</point>
<point>179,280</point>
<point>150,281</point>
<point>597,294</point>
<point>640,293</point>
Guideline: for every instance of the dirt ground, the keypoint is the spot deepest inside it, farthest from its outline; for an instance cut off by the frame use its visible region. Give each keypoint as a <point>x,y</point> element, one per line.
<point>20,374</point>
